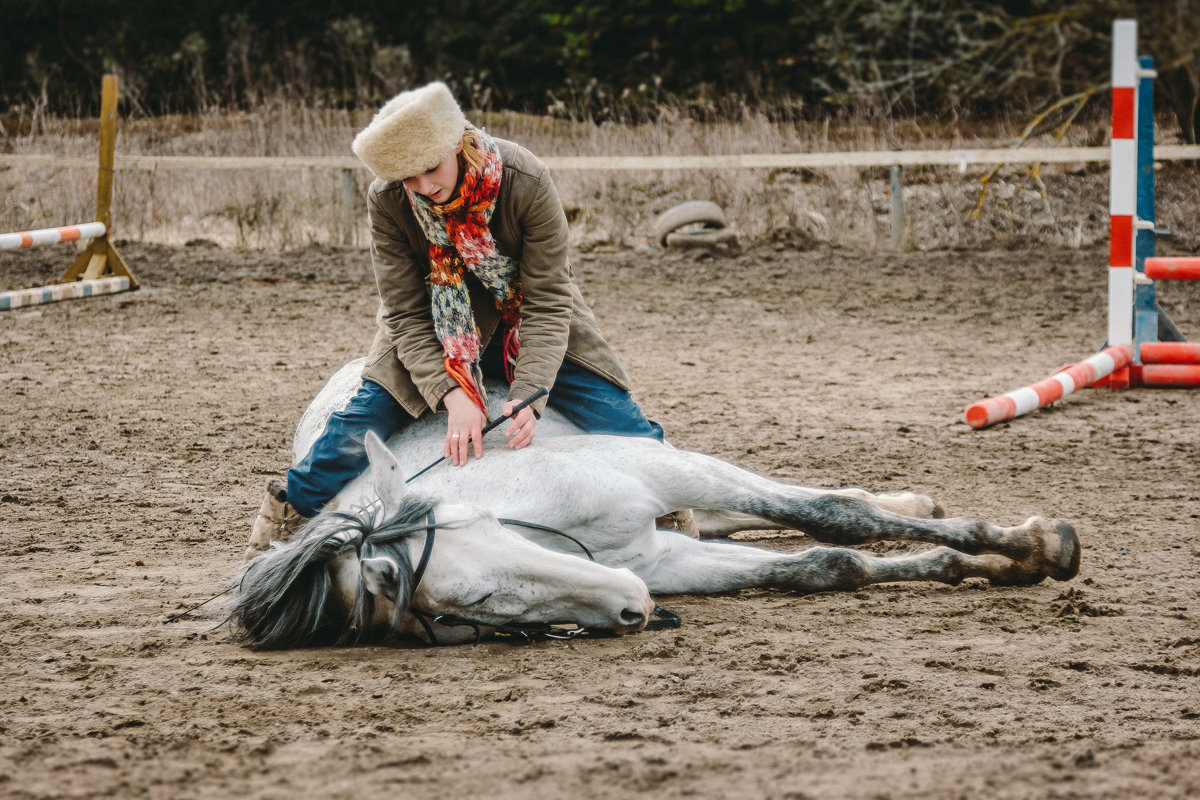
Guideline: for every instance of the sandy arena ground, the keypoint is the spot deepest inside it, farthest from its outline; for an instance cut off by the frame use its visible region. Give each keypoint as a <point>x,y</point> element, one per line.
<point>139,430</point>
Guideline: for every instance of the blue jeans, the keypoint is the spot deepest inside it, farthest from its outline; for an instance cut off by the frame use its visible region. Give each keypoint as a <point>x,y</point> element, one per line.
<point>593,403</point>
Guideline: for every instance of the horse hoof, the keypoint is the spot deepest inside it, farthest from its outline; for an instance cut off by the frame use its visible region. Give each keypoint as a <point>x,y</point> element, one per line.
<point>1055,555</point>
<point>1062,557</point>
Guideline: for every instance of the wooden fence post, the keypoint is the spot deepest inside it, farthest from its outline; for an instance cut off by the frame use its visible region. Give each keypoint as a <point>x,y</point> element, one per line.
<point>349,207</point>
<point>897,206</point>
<point>100,259</point>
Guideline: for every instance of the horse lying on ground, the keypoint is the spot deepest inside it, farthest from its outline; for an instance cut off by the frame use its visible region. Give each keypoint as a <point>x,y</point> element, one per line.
<point>500,542</point>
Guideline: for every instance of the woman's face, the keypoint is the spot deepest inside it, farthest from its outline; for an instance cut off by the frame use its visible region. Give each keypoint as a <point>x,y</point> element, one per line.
<point>438,184</point>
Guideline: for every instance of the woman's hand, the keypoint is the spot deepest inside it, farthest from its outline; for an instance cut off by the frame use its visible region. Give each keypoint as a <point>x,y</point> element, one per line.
<point>464,427</point>
<point>520,431</point>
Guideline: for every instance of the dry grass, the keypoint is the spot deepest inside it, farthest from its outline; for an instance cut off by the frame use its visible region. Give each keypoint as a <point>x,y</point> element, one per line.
<point>1065,205</point>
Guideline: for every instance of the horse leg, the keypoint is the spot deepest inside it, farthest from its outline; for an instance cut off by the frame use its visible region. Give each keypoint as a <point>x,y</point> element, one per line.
<point>716,523</point>
<point>686,566</point>
<point>1041,547</point>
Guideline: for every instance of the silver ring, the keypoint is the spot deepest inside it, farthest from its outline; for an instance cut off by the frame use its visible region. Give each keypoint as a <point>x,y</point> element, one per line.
<point>455,436</point>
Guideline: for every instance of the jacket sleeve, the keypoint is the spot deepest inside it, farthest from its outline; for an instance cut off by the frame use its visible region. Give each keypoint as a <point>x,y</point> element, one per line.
<point>405,310</point>
<point>546,286</point>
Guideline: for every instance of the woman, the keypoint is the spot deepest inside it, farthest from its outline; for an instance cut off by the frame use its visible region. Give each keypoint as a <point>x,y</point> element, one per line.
<point>469,245</point>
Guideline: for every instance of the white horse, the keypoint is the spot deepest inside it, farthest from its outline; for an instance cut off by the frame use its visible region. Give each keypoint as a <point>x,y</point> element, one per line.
<point>348,575</point>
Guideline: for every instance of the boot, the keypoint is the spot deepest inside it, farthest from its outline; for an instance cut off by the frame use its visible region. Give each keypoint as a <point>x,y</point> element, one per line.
<point>683,521</point>
<point>277,520</point>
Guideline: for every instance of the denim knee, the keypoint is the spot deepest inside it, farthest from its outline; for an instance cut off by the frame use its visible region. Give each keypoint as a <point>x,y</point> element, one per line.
<point>338,455</point>
<point>598,405</point>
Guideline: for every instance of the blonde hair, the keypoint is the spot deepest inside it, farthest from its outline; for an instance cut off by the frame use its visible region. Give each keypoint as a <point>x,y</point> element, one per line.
<point>472,148</point>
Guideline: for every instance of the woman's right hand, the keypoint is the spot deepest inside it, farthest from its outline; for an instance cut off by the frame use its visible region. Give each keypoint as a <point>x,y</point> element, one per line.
<point>464,427</point>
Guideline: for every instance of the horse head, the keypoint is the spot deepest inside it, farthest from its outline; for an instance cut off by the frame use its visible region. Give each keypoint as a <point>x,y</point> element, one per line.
<point>350,576</point>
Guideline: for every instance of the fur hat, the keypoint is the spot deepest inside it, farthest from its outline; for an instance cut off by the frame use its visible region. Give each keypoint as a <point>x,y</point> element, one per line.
<point>412,133</point>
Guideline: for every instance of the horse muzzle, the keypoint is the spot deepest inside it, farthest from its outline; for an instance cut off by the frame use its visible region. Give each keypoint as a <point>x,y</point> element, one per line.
<point>630,614</point>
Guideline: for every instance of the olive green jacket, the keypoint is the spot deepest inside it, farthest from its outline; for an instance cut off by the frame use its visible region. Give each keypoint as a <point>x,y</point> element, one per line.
<point>530,227</point>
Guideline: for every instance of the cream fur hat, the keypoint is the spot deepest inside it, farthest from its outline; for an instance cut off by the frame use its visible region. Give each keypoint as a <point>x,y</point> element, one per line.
<point>412,133</point>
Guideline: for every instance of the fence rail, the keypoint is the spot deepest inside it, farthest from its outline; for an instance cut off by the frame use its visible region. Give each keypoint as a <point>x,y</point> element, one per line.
<point>865,158</point>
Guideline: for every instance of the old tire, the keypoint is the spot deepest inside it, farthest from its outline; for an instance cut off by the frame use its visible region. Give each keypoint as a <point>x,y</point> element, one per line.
<point>700,214</point>
<point>712,239</point>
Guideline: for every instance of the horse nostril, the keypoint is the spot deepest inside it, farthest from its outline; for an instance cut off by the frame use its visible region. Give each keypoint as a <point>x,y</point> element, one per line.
<point>632,617</point>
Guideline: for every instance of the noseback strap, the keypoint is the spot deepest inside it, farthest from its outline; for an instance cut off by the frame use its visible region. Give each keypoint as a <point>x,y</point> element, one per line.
<point>427,551</point>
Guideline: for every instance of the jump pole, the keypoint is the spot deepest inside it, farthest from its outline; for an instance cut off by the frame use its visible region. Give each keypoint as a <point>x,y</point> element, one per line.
<point>1173,269</point>
<point>99,268</point>
<point>67,233</point>
<point>1041,394</point>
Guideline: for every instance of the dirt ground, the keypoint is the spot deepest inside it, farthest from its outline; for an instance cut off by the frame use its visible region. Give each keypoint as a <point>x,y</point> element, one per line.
<point>139,430</point>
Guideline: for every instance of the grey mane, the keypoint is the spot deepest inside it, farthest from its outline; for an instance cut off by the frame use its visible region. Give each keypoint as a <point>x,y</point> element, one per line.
<point>281,598</point>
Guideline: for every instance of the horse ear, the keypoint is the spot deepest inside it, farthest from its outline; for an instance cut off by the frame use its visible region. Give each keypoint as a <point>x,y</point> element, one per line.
<point>379,575</point>
<point>386,474</point>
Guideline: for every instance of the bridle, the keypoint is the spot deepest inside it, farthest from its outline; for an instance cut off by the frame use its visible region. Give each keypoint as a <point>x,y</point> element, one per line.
<point>527,631</point>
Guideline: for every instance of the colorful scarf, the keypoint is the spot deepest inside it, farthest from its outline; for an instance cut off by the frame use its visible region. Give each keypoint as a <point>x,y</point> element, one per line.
<point>460,240</point>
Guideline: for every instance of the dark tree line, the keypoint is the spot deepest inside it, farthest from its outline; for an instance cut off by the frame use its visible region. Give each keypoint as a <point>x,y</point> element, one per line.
<point>604,59</point>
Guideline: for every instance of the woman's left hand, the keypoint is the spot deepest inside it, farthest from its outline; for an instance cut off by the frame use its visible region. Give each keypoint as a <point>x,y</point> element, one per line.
<point>520,431</point>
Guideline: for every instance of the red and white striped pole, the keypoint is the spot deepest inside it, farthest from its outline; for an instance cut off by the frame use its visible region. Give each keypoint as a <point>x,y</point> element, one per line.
<point>1122,197</point>
<point>67,233</point>
<point>1044,392</point>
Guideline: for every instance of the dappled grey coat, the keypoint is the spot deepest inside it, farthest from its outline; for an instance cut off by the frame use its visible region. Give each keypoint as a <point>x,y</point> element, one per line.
<point>529,226</point>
